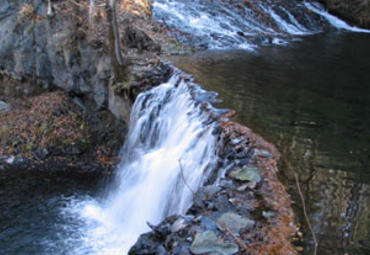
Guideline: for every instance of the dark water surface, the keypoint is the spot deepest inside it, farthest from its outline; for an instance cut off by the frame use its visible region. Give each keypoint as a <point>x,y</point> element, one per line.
<point>312,99</point>
<point>33,219</point>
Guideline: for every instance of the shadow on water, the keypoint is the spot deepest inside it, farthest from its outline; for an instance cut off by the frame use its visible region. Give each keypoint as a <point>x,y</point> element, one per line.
<point>312,99</point>
<point>32,204</point>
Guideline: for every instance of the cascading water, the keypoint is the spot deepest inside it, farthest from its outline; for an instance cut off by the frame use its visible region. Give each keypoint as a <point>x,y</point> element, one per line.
<point>169,152</point>
<point>334,21</point>
<point>226,24</point>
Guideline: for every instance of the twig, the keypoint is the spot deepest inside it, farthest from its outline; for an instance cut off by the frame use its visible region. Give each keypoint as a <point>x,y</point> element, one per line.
<point>184,180</point>
<point>303,202</point>
<point>78,4</point>
<point>237,239</point>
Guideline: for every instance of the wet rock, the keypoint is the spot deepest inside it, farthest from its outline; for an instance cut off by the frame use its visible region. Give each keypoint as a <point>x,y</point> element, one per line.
<point>210,191</point>
<point>208,242</point>
<point>161,250</point>
<point>250,174</point>
<point>178,225</point>
<point>262,153</point>
<point>4,106</point>
<point>268,214</point>
<point>233,222</point>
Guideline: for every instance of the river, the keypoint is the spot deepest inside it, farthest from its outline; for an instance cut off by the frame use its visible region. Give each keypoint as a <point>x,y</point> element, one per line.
<point>306,92</point>
<point>311,99</point>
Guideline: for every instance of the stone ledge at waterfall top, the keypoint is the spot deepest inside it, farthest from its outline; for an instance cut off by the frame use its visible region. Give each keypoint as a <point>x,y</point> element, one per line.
<point>247,212</point>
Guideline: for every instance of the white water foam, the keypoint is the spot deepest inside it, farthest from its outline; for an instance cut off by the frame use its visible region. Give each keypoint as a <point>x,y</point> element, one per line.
<point>334,21</point>
<point>167,127</point>
<point>223,25</point>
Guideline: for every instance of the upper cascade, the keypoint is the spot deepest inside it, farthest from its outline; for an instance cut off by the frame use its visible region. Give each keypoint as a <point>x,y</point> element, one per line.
<point>244,24</point>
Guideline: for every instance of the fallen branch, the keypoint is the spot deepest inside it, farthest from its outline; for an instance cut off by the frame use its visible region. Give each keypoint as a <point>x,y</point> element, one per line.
<point>302,201</point>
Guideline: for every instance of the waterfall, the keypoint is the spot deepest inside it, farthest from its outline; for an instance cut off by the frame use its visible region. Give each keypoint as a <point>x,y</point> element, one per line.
<point>169,152</point>
<point>228,24</point>
<point>245,24</point>
<point>334,21</point>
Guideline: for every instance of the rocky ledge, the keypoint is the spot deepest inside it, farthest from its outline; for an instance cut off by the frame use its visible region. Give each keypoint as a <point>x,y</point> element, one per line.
<point>245,210</point>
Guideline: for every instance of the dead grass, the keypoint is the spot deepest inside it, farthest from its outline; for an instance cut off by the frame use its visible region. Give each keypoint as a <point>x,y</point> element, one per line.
<point>49,121</point>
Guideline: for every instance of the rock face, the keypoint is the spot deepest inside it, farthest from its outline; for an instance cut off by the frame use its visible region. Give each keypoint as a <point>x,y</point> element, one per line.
<point>43,50</point>
<point>356,12</point>
<point>61,49</point>
<point>51,50</point>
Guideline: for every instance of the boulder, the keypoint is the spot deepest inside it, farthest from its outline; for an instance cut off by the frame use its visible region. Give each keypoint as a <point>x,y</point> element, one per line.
<point>208,243</point>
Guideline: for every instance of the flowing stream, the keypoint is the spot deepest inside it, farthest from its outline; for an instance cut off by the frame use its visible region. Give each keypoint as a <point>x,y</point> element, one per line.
<point>171,144</point>
<point>248,24</point>
<point>311,99</point>
<point>170,150</point>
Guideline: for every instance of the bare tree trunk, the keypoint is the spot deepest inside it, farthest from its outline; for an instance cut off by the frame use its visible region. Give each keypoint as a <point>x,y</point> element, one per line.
<point>114,39</point>
<point>91,12</point>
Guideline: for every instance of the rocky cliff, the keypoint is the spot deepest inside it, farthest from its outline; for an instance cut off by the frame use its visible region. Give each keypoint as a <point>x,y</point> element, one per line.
<point>55,45</point>
<point>60,95</point>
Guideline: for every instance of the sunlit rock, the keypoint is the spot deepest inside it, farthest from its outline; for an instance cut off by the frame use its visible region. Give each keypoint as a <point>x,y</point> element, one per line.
<point>208,242</point>
<point>233,222</point>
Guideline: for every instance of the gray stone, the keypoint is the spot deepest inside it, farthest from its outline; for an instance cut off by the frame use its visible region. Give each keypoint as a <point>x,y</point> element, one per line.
<point>4,106</point>
<point>178,225</point>
<point>208,242</point>
<point>210,190</point>
<point>119,106</point>
<point>234,222</point>
<point>268,214</point>
<point>250,174</point>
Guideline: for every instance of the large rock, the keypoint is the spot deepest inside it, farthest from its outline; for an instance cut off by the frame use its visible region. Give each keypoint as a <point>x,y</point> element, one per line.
<point>208,242</point>
<point>52,49</point>
<point>61,49</point>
